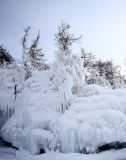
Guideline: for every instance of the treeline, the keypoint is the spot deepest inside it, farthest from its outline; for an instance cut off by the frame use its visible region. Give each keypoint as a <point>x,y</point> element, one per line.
<point>100,72</point>
<point>104,73</point>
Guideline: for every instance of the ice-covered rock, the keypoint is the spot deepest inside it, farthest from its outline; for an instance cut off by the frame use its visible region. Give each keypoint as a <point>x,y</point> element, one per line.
<point>56,110</point>
<point>11,76</point>
<point>88,123</point>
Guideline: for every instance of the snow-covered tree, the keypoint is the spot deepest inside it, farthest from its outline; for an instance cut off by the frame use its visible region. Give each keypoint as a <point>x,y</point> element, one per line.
<point>88,59</point>
<point>110,72</point>
<point>25,52</point>
<point>64,39</point>
<point>36,56</point>
<point>5,57</point>
<point>33,58</point>
<point>105,73</point>
<point>11,76</point>
<point>66,61</point>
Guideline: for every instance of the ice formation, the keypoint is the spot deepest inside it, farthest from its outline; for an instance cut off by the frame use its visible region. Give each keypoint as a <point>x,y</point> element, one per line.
<point>56,110</point>
<point>10,77</point>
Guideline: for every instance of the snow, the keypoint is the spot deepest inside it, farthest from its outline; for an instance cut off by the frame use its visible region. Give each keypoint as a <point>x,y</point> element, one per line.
<point>10,75</point>
<point>91,120</point>
<point>56,111</point>
<point>11,154</point>
<point>7,153</point>
<point>109,155</point>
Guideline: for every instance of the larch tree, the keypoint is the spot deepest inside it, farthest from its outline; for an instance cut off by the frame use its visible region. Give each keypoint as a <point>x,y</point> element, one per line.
<point>88,59</point>
<point>33,58</point>
<point>25,52</point>
<point>37,58</point>
<point>5,57</point>
<point>64,39</point>
<point>68,65</point>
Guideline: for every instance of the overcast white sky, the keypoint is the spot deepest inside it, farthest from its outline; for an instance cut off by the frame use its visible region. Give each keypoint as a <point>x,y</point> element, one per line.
<point>101,22</point>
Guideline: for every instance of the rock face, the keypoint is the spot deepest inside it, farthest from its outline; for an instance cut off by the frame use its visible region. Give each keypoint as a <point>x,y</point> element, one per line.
<point>112,145</point>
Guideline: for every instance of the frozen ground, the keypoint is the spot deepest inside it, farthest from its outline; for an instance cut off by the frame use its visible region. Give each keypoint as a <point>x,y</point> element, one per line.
<point>11,154</point>
<point>7,153</point>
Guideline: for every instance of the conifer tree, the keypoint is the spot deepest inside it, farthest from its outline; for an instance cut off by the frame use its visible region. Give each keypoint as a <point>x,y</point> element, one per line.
<point>36,56</point>
<point>25,52</point>
<point>33,58</point>
<point>5,57</point>
<point>64,39</point>
<point>88,59</point>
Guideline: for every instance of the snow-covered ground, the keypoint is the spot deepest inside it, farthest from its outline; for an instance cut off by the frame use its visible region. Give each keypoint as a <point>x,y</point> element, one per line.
<point>7,153</point>
<point>12,154</point>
